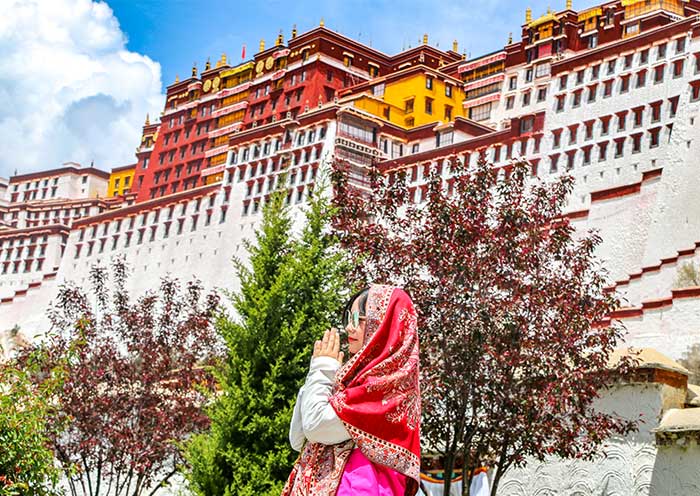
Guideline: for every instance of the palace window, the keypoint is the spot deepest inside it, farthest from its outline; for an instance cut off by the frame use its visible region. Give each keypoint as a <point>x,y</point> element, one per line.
<point>541,94</point>
<point>654,138</point>
<point>644,57</point>
<point>592,91</point>
<point>678,66</point>
<point>553,163</point>
<point>607,88</point>
<point>602,151</point>
<point>576,99</point>
<point>659,74</point>
<point>619,148</point>
<point>661,51</point>
<point>593,40</point>
<point>625,84</point>
<point>480,112</point>
<point>408,106</point>
<point>611,66</point>
<point>680,45</point>
<point>560,103</point>
<point>637,143</point>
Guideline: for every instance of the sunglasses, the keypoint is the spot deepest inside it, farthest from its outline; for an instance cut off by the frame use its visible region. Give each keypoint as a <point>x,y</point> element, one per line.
<point>353,317</point>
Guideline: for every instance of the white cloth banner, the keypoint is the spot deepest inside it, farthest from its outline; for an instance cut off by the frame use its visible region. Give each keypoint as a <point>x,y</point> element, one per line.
<point>479,487</point>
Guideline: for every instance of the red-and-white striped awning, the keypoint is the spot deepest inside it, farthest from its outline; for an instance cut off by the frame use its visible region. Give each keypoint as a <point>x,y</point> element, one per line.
<point>233,91</point>
<point>225,130</point>
<point>485,82</point>
<point>231,108</point>
<point>484,99</point>
<point>481,62</point>
<point>216,151</point>
<point>213,170</point>
<point>279,74</point>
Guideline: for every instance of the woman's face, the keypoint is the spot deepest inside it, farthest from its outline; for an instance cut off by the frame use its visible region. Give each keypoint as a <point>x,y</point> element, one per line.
<point>356,335</point>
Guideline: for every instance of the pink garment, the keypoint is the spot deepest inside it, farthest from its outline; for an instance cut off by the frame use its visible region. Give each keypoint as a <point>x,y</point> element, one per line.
<point>364,478</point>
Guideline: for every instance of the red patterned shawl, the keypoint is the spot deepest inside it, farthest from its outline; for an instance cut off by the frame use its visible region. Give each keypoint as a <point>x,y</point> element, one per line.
<point>378,399</point>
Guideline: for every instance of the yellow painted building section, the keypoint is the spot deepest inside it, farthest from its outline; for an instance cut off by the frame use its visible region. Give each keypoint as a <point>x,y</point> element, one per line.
<point>120,181</point>
<point>413,101</point>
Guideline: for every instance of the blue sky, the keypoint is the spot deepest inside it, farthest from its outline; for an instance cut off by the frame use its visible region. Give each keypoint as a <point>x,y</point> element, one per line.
<point>176,33</point>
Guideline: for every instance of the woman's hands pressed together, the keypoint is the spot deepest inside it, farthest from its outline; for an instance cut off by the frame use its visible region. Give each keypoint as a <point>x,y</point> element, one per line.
<point>329,346</point>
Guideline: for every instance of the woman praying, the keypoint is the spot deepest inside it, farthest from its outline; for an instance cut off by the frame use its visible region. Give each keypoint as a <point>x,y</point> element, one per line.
<point>357,424</point>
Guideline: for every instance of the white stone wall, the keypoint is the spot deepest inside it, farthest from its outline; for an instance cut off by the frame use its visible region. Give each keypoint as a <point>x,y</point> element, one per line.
<point>632,466</point>
<point>204,253</point>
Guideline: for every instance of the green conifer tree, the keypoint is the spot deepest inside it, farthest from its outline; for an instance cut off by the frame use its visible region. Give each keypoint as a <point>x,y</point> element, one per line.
<point>291,291</point>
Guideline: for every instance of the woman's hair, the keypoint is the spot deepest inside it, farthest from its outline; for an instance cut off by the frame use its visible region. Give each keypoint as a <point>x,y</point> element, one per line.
<point>361,296</point>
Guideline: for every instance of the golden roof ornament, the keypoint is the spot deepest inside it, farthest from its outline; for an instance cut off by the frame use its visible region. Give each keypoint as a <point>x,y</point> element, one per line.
<point>207,65</point>
<point>280,39</point>
<point>294,31</point>
<point>569,4</point>
<point>528,15</point>
<point>262,45</point>
<point>455,46</point>
<point>425,39</point>
<point>510,38</point>
<point>148,120</point>
<point>194,69</point>
<point>177,78</point>
<point>322,23</point>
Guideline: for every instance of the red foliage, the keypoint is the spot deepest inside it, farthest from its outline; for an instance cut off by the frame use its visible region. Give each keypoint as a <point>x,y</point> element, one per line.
<point>136,380</point>
<point>507,298</point>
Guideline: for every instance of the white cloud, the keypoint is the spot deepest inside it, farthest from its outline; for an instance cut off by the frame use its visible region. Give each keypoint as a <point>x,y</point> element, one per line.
<point>69,88</point>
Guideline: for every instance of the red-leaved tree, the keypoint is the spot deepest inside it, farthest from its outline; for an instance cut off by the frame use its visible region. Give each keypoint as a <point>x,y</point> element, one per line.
<point>512,309</point>
<point>135,382</point>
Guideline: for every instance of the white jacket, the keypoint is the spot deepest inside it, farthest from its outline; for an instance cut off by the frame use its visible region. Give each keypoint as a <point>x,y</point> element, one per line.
<point>314,418</point>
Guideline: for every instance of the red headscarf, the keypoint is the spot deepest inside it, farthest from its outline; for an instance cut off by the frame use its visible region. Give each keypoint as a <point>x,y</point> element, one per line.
<point>377,398</point>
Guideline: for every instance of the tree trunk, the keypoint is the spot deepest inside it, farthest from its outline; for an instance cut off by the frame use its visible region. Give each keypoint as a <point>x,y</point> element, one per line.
<point>447,471</point>
<point>501,465</point>
<point>152,493</point>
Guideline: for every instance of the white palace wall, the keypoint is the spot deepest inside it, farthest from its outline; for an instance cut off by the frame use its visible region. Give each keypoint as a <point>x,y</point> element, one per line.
<point>204,253</point>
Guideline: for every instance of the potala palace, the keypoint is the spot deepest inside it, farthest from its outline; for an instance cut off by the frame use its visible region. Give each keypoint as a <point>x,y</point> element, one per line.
<point>609,95</point>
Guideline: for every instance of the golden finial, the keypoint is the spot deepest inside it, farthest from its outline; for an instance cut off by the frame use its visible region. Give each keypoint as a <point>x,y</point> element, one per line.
<point>549,10</point>
<point>510,38</point>
<point>280,39</point>
<point>194,69</point>
<point>322,23</point>
<point>425,39</point>
<point>455,46</point>
<point>148,120</point>
<point>177,78</point>
<point>223,59</point>
<point>207,66</point>
<point>262,45</point>
<point>569,4</point>
<point>294,31</point>
<point>528,15</point>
